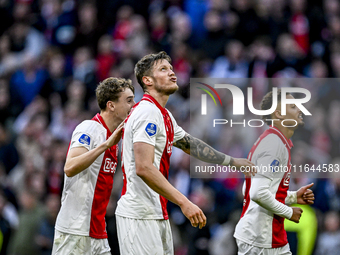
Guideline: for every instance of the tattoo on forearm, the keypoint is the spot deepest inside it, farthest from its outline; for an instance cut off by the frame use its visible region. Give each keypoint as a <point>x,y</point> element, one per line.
<point>199,149</point>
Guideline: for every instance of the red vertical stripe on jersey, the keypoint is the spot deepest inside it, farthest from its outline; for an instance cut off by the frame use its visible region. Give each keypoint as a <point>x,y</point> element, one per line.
<point>103,188</point>
<point>246,200</point>
<point>165,160</point>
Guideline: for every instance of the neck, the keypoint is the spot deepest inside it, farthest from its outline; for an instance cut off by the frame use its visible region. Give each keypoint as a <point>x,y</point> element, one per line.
<point>111,123</point>
<point>288,133</point>
<point>160,98</point>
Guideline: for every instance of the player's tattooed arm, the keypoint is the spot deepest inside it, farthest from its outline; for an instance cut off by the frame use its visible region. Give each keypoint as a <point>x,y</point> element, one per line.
<point>200,150</point>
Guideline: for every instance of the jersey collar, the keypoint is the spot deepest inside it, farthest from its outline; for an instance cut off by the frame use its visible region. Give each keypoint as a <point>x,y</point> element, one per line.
<point>149,98</point>
<point>286,141</point>
<point>100,119</point>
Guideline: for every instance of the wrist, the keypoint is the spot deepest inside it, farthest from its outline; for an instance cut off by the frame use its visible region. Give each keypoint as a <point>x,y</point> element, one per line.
<point>289,213</point>
<point>294,197</point>
<point>105,145</point>
<point>231,161</point>
<point>227,161</point>
<point>182,201</point>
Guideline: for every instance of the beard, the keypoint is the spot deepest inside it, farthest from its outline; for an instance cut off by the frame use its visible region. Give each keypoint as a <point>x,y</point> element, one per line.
<point>300,124</point>
<point>166,90</point>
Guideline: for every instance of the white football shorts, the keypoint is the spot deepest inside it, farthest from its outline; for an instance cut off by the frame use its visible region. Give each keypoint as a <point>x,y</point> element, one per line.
<point>79,245</point>
<point>144,237</point>
<point>247,249</point>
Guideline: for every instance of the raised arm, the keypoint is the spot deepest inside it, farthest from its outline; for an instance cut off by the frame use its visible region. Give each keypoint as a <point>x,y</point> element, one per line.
<point>202,151</point>
<point>80,158</point>
<point>144,156</point>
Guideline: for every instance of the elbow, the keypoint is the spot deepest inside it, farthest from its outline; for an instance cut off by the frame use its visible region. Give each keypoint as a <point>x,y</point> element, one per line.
<point>141,171</point>
<point>255,196</point>
<point>68,172</point>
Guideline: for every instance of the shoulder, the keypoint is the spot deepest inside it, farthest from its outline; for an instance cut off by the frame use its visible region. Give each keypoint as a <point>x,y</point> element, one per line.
<point>272,139</point>
<point>90,126</point>
<point>271,144</point>
<point>145,110</point>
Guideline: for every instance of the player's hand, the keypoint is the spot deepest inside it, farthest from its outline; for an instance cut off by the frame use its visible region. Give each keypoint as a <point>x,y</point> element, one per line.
<point>305,196</point>
<point>115,137</point>
<point>247,167</point>
<point>194,214</point>
<point>297,211</point>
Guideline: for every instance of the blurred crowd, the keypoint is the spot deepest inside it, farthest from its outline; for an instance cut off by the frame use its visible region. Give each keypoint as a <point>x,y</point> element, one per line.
<point>53,53</point>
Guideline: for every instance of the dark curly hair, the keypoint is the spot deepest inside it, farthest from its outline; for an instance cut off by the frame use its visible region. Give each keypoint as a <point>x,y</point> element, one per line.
<point>110,89</point>
<point>145,65</point>
<point>267,102</point>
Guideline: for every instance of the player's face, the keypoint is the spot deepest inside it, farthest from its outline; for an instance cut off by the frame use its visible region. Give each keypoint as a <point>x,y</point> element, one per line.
<point>164,78</point>
<point>293,112</point>
<point>124,104</point>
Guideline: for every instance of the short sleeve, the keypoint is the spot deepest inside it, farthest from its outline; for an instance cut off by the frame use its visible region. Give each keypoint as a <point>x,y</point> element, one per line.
<point>145,131</point>
<point>82,137</point>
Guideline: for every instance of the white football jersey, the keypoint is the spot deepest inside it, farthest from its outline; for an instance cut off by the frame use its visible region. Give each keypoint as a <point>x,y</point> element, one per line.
<point>259,226</point>
<point>86,195</point>
<point>149,123</point>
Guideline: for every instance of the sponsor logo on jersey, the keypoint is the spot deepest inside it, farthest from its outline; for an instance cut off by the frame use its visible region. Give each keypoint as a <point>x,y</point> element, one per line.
<point>110,166</point>
<point>169,147</point>
<point>286,180</point>
<point>151,129</point>
<point>85,139</point>
<point>274,164</point>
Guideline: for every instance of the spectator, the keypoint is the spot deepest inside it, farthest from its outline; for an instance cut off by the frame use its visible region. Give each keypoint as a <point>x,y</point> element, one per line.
<point>9,156</point>
<point>233,64</point>
<point>90,30</point>
<point>28,82</point>
<point>30,216</point>
<point>25,43</point>
<point>105,58</point>
<point>329,240</point>
<point>45,234</point>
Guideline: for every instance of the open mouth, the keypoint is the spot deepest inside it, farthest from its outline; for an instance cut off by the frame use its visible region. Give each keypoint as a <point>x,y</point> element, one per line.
<point>300,116</point>
<point>173,79</point>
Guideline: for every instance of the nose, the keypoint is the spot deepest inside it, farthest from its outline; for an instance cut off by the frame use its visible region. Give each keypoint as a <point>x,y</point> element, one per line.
<point>171,73</point>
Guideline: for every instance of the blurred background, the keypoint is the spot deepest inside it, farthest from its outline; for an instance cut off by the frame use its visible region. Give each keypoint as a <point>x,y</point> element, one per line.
<point>53,53</point>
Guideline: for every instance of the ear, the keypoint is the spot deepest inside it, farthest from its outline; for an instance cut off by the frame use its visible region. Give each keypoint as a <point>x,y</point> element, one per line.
<point>110,106</point>
<point>278,115</point>
<point>147,80</point>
